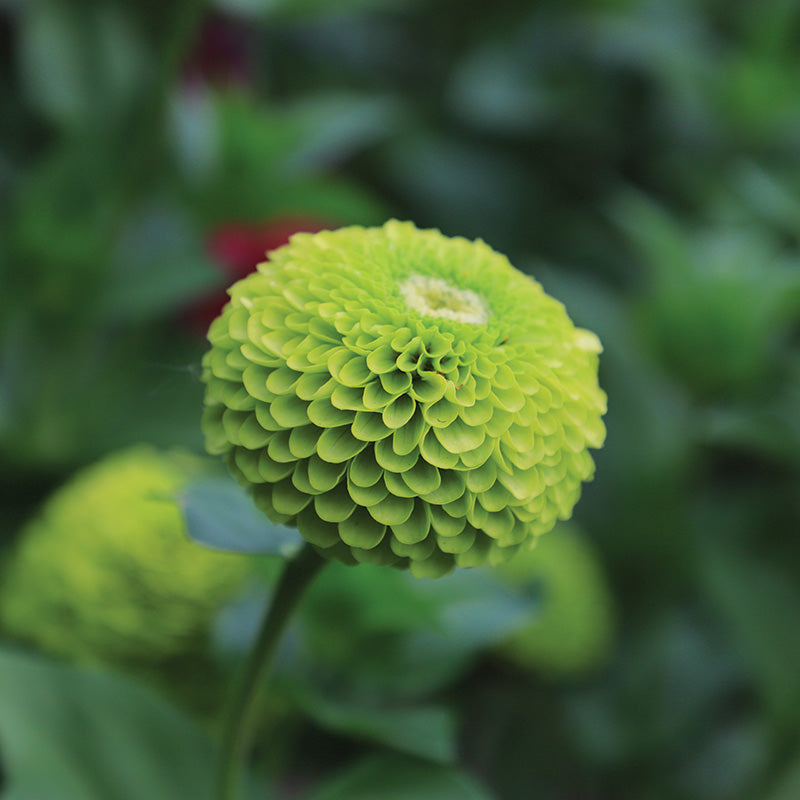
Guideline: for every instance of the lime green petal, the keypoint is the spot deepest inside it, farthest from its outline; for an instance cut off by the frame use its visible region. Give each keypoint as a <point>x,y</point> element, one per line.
<point>395,382</point>
<point>441,413</point>
<point>434,566</point>
<point>334,505</point>
<point>422,478</point>
<point>289,411</point>
<point>444,524</point>
<point>282,380</point>
<point>369,427</point>
<point>474,459</point>
<point>481,478</point>
<point>254,380</point>
<point>272,471</point>
<point>416,527</point>
<point>380,556</point>
<point>278,448</point>
<point>375,397</point>
<point>367,495</point>
<point>417,551</point>
<point>322,475</point>
<point>337,445</point>
<point>392,510</point>
<point>399,412</point>
<point>265,418</point>
<point>252,435</point>
<point>347,398</point>
<point>396,485</point>
<point>313,385</point>
<point>300,479</point>
<point>323,413</point>
<point>459,543</point>
<point>477,553</point>
<point>316,530</point>
<point>355,372</point>
<point>408,438</point>
<point>287,499</point>
<point>458,437</point>
<point>391,460</point>
<point>361,530</point>
<point>498,524</point>
<point>451,486</point>
<point>427,387</point>
<point>434,453</point>
<point>382,359</point>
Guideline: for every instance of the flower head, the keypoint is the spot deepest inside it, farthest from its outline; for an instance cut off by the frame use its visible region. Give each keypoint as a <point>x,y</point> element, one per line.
<point>107,574</point>
<point>403,397</point>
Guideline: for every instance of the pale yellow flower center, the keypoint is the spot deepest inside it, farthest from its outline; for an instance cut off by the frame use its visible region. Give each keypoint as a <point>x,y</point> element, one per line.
<point>434,297</point>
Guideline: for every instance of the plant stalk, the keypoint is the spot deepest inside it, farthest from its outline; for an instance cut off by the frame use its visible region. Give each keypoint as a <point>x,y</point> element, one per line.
<point>243,708</point>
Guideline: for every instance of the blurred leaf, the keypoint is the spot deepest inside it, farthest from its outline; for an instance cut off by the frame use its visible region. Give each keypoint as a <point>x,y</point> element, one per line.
<point>460,187</point>
<point>220,515</point>
<point>493,91</point>
<point>300,7</point>
<point>70,734</point>
<point>339,125</point>
<point>788,785</point>
<point>80,64</point>
<point>194,129</point>
<point>426,732</point>
<point>402,636</point>
<point>396,778</point>
<point>660,241</point>
<point>474,611</point>
<point>728,765</point>
<point>160,266</point>
<point>667,683</point>
<point>768,197</point>
<point>760,607</point>
<point>250,167</point>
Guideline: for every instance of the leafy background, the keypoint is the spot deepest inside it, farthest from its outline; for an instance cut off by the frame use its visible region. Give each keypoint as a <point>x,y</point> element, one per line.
<point>641,159</point>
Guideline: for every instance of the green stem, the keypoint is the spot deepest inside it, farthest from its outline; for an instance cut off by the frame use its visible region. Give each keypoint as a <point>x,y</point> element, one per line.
<point>243,709</point>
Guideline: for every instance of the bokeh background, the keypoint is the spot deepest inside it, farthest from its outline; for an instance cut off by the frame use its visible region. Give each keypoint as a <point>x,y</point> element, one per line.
<point>640,159</point>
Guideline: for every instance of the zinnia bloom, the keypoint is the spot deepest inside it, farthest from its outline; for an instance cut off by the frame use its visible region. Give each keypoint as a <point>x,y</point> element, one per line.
<point>403,398</point>
<point>106,573</point>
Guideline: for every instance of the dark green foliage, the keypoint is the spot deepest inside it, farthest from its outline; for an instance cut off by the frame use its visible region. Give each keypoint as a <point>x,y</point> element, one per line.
<point>640,159</point>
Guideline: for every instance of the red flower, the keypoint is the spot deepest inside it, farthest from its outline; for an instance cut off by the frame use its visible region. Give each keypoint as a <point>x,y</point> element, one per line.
<point>237,248</point>
<point>222,53</point>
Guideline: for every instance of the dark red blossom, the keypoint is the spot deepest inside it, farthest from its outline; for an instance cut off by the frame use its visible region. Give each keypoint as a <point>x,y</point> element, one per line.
<point>237,248</point>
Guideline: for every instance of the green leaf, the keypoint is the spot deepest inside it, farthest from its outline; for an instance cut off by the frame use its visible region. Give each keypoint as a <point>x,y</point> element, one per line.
<point>759,605</point>
<point>160,265</point>
<point>788,786</point>
<point>79,66</point>
<point>396,778</point>
<point>427,732</point>
<point>71,734</point>
<point>219,514</point>
<point>338,126</point>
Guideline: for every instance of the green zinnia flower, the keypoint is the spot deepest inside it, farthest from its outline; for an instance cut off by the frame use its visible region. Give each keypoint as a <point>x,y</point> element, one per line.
<point>403,398</point>
<point>106,572</point>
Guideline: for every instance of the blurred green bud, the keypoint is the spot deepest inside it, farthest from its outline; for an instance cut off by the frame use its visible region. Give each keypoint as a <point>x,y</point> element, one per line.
<point>403,398</point>
<point>106,572</point>
<point>574,631</point>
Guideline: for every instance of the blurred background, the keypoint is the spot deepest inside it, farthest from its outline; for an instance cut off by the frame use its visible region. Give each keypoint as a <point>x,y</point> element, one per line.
<point>640,159</point>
